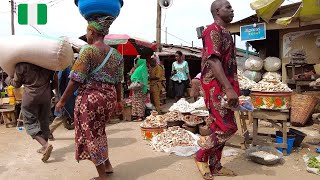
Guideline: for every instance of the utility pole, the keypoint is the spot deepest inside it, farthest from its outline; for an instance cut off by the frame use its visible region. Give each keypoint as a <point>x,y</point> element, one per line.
<point>166,35</point>
<point>158,36</point>
<point>12,17</point>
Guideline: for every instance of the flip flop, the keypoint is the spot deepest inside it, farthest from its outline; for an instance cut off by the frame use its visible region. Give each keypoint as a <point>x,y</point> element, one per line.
<point>40,151</point>
<point>204,170</point>
<point>110,172</point>
<point>47,153</point>
<point>225,172</point>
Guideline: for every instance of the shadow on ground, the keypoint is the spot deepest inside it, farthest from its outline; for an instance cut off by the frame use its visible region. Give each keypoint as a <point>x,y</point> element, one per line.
<point>3,169</point>
<point>246,167</point>
<point>120,142</point>
<point>135,169</point>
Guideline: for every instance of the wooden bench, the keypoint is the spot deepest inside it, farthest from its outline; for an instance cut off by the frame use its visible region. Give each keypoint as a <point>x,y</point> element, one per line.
<point>8,115</point>
<point>275,117</point>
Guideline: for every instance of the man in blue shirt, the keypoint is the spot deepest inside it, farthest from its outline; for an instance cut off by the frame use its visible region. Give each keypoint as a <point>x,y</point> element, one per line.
<point>67,112</point>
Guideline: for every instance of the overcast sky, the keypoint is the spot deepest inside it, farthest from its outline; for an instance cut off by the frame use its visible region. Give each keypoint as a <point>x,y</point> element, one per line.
<point>137,18</point>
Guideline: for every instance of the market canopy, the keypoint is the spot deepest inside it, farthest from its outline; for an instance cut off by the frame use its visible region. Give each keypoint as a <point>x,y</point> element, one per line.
<point>309,10</point>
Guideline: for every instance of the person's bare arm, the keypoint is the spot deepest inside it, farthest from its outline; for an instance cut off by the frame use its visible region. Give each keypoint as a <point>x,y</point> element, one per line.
<point>219,74</point>
<point>71,88</point>
<point>119,90</point>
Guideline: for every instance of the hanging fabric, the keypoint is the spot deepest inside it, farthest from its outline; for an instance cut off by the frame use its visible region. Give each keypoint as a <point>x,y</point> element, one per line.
<point>266,8</point>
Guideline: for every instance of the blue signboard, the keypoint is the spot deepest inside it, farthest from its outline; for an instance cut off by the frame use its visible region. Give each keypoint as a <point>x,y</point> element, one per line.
<point>253,32</point>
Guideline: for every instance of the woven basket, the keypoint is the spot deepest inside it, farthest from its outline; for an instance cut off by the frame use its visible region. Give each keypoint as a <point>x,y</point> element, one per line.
<point>302,106</point>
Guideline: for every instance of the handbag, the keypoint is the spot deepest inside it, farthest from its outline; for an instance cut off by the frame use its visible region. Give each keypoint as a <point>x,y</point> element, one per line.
<point>135,85</point>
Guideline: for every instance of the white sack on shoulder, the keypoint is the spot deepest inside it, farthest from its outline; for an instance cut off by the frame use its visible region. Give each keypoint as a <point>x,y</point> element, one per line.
<point>47,52</point>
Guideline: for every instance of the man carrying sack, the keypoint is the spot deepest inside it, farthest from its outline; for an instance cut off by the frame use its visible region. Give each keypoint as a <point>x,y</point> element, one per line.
<point>36,102</point>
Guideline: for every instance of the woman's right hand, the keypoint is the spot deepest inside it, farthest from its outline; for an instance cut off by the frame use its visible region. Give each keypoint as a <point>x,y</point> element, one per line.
<point>232,97</point>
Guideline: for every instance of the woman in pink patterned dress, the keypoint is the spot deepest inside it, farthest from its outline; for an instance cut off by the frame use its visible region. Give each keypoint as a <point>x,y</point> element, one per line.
<point>98,74</point>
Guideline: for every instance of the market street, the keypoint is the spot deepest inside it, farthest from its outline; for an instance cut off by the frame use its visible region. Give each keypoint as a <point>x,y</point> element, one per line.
<point>131,157</point>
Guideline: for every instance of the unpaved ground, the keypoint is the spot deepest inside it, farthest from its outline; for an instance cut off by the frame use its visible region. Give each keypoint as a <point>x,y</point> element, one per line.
<point>131,157</point>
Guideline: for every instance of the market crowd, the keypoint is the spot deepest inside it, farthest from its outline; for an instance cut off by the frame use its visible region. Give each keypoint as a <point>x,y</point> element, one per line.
<point>90,91</point>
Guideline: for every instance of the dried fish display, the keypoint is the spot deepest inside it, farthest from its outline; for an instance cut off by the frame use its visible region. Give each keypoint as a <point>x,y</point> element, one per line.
<point>199,103</point>
<point>271,86</point>
<point>173,116</point>
<point>154,121</point>
<point>245,83</point>
<point>192,120</point>
<point>182,105</point>
<point>172,137</point>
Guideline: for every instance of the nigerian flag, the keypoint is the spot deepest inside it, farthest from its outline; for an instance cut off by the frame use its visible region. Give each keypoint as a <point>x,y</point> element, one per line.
<point>32,14</point>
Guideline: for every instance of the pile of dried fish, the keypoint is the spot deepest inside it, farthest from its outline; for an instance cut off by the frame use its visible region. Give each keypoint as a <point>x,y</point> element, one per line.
<point>199,104</point>
<point>245,83</point>
<point>172,137</point>
<point>154,122</point>
<point>182,105</point>
<point>192,120</point>
<point>173,116</point>
<point>271,86</point>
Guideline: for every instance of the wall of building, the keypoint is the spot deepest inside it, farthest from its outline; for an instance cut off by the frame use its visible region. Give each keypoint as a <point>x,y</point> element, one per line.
<point>299,38</point>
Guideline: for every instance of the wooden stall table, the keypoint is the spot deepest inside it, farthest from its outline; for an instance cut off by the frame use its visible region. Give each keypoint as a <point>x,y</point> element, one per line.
<point>275,117</point>
<point>8,115</point>
<point>242,127</point>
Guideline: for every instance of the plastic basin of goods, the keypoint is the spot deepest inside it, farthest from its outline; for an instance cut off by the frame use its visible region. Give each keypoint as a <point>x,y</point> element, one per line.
<point>149,133</point>
<point>89,8</point>
<point>271,100</point>
<point>259,160</point>
<point>290,140</point>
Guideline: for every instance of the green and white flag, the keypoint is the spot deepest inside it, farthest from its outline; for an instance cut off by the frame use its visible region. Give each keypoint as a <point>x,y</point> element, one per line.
<point>32,14</point>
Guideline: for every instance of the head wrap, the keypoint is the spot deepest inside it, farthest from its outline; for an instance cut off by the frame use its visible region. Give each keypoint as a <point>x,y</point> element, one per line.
<point>156,57</point>
<point>141,74</point>
<point>101,25</point>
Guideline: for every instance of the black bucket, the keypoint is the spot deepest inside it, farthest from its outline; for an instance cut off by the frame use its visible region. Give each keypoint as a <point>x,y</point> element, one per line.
<point>289,134</point>
<point>299,136</point>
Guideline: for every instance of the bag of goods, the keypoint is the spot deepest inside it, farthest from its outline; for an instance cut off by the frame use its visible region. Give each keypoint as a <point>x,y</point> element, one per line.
<point>92,8</point>
<point>253,75</point>
<point>272,64</point>
<point>254,63</point>
<point>270,76</point>
<point>76,44</point>
<point>47,52</point>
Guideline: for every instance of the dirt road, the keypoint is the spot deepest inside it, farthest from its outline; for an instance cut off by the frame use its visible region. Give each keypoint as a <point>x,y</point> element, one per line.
<point>131,157</point>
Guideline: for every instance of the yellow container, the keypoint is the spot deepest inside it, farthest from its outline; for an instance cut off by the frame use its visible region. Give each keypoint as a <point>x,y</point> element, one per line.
<point>10,91</point>
<point>12,101</point>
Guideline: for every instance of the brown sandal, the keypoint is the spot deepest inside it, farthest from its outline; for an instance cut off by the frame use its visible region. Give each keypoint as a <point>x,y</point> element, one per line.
<point>204,170</point>
<point>47,153</point>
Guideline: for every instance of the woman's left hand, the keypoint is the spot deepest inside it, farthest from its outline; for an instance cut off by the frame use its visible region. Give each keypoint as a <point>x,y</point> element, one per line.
<point>59,106</point>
